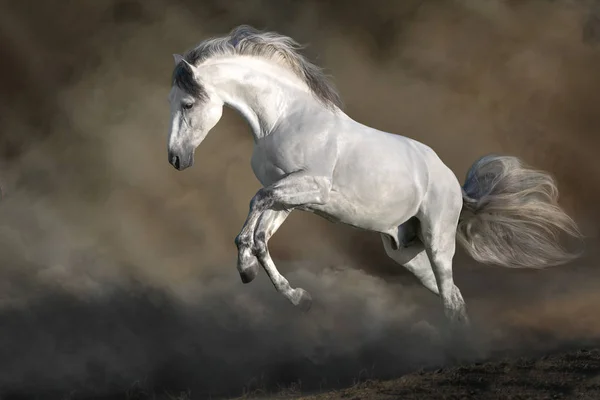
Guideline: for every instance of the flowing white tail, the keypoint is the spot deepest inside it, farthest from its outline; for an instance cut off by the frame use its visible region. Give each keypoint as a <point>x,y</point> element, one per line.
<point>511,216</point>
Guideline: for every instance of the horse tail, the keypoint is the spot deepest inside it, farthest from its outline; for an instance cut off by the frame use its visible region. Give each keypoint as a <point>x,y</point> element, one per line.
<point>511,216</point>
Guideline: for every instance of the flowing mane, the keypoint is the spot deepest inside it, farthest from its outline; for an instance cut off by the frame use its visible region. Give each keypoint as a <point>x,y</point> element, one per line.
<point>248,41</point>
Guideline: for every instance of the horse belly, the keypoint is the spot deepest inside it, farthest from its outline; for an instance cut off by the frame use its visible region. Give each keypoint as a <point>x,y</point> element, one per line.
<point>377,187</point>
<point>381,213</point>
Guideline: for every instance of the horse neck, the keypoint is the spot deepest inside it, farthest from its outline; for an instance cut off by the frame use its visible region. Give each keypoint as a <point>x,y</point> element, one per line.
<point>261,92</point>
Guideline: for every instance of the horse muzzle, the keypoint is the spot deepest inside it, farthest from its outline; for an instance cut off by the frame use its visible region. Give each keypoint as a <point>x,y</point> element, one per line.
<point>181,160</point>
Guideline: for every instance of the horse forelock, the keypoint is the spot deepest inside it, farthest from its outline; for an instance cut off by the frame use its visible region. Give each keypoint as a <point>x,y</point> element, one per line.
<point>183,77</point>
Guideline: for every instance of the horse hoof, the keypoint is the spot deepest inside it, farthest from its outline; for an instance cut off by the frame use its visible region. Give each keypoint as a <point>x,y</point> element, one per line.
<point>304,301</point>
<point>250,272</point>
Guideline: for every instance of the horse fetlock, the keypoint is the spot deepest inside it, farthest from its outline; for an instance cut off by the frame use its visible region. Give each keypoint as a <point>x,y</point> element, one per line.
<point>455,307</point>
<point>243,240</point>
<point>301,299</point>
<point>248,266</point>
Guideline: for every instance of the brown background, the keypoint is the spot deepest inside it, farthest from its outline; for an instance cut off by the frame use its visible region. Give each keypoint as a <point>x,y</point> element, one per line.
<point>115,268</point>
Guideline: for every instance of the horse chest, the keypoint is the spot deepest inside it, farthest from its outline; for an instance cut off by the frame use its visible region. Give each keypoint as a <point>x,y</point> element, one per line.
<point>266,170</point>
<point>275,157</point>
<point>279,155</point>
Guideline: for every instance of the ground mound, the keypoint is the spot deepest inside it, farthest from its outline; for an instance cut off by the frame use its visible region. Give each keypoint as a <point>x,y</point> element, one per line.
<point>572,375</point>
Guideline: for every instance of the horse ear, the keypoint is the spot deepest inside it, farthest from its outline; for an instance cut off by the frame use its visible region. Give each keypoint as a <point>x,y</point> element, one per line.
<point>178,58</point>
<point>192,68</point>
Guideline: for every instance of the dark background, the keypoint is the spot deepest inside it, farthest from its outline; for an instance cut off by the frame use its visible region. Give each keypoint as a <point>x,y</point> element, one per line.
<point>118,271</point>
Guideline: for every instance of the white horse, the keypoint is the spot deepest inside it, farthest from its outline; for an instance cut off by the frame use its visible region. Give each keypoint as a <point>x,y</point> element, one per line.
<point>309,155</point>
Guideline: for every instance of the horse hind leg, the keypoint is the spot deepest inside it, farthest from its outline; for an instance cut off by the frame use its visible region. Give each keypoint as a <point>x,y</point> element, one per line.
<point>439,219</point>
<point>411,255</point>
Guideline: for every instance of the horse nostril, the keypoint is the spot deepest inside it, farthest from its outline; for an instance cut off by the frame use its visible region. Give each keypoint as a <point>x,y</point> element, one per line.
<point>175,162</point>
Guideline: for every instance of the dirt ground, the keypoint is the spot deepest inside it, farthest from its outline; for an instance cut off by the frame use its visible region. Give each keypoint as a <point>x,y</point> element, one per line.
<point>566,375</point>
<point>572,375</point>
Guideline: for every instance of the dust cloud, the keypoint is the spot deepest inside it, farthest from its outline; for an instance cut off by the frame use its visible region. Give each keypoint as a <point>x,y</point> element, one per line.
<point>118,270</point>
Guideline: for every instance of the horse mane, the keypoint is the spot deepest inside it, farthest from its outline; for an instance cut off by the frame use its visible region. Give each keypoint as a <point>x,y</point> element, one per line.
<point>248,41</point>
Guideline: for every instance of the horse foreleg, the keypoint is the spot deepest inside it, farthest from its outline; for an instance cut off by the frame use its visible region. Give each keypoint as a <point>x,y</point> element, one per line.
<point>269,222</point>
<point>294,190</point>
<point>298,189</point>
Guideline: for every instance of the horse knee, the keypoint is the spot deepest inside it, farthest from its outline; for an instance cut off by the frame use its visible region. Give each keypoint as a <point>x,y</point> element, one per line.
<point>263,199</point>
<point>242,241</point>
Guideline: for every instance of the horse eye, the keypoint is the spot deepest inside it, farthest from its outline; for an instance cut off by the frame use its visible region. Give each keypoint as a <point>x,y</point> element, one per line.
<point>187,106</point>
